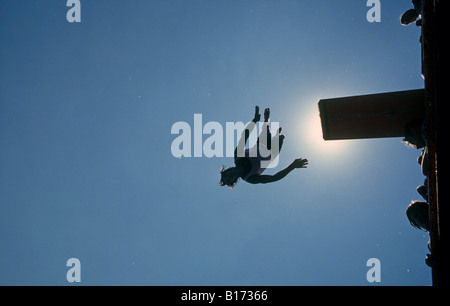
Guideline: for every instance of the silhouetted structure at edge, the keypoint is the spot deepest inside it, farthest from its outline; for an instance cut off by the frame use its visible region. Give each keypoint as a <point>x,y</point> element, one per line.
<point>385,115</point>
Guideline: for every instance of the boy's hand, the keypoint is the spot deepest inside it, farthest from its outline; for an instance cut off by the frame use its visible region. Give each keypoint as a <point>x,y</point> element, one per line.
<point>299,163</point>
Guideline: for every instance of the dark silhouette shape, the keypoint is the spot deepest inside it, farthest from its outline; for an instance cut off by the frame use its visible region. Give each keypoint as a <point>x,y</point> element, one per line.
<point>411,15</point>
<point>250,167</point>
<point>417,213</point>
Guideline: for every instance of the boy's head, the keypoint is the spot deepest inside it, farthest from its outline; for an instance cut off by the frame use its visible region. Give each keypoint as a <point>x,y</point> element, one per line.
<point>417,213</point>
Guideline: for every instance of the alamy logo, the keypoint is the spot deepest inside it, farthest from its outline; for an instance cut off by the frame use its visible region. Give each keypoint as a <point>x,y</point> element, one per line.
<point>374,13</point>
<point>374,273</point>
<point>74,273</point>
<point>74,13</point>
<point>213,146</point>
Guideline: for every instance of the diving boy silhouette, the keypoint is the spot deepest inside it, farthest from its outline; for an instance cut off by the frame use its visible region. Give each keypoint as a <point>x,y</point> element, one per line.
<point>251,163</point>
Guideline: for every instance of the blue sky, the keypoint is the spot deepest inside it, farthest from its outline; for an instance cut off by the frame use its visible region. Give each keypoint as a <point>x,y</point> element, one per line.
<point>86,111</point>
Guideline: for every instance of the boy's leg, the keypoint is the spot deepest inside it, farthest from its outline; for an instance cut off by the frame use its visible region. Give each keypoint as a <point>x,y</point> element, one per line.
<point>280,139</point>
<point>265,131</point>
<point>274,152</point>
<point>267,128</point>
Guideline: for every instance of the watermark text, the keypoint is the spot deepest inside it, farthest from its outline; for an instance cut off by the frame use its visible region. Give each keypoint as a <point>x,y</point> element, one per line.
<point>190,142</point>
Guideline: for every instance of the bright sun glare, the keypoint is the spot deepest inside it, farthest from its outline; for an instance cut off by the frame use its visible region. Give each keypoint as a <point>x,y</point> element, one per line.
<point>312,129</point>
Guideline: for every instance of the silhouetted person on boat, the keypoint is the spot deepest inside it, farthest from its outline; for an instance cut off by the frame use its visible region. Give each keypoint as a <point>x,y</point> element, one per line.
<point>417,214</point>
<point>413,14</point>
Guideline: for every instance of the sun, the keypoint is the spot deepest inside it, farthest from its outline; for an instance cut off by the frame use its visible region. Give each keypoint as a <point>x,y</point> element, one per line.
<point>312,135</point>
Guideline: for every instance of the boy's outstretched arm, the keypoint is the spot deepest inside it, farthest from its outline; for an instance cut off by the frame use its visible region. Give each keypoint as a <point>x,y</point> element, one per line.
<point>264,179</point>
